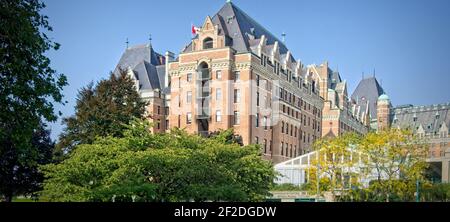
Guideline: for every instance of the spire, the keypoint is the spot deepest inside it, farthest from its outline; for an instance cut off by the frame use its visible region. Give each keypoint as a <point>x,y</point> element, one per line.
<point>283,35</point>
<point>127,42</point>
<point>150,39</point>
<point>228,1</point>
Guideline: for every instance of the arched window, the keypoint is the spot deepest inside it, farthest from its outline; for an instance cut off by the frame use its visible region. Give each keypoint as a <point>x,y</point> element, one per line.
<point>208,43</point>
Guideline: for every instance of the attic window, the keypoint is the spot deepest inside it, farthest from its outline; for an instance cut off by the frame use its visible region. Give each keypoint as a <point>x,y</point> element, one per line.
<point>229,19</point>
<point>208,43</point>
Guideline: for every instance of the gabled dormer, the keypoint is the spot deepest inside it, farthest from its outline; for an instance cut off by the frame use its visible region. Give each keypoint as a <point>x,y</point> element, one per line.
<point>275,54</point>
<point>287,63</point>
<point>262,45</point>
<point>208,37</point>
<point>443,130</point>
<point>298,69</point>
<point>420,131</point>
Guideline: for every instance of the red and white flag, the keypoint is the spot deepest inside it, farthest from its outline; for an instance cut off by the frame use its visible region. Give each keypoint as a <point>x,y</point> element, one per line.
<point>194,30</point>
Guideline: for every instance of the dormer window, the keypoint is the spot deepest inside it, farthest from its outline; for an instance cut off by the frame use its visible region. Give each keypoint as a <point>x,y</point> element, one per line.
<point>208,43</point>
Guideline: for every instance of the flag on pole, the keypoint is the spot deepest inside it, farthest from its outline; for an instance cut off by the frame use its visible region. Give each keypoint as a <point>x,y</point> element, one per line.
<point>194,29</point>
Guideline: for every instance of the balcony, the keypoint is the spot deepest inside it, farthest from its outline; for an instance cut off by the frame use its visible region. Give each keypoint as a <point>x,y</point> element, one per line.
<point>204,113</point>
<point>203,93</point>
<point>203,74</point>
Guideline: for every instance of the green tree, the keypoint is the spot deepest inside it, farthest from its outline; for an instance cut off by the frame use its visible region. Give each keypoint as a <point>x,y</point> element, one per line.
<point>397,158</point>
<point>335,165</point>
<point>160,167</point>
<point>28,88</point>
<point>102,111</point>
<point>393,160</point>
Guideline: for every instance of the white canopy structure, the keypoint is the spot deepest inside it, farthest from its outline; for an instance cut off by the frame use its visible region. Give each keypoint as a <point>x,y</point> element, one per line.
<point>295,171</point>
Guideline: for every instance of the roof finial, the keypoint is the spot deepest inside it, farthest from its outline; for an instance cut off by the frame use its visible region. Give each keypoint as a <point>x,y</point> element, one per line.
<point>127,42</point>
<point>150,39</point>
<point>283,35</point>
<point>228,1</point>
<point>363,75</point>
<point>373,72</point>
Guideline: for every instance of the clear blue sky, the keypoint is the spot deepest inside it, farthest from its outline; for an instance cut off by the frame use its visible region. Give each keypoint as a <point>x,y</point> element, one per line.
<point>407,42</point>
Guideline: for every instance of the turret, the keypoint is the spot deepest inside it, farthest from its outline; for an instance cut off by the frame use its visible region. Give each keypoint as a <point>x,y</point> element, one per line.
<point>383,112</point>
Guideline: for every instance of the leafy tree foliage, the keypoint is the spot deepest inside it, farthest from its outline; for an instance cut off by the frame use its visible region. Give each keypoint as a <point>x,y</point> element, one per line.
<point>160,167</point>
<point>393,160</point>
<point>28,88</point>
<point>102,111</point>
<point>398,157</point>
<point>439,192</point>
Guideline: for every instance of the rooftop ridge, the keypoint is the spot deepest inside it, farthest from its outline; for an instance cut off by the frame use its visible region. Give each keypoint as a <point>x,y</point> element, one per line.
<point>420,107</point>
<point>257,23</point>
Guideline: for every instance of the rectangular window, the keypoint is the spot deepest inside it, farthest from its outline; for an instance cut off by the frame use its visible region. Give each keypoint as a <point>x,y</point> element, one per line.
<point>188,118</point>
<point>257,99</point>
<point>189,77</point>
<point>265,146</point>
<point>237,96</point>
<point>257,120</point>
<point>237,76</point>
<point>218,94</point>
<point>257,80</point>
<point>218,116</point>
<point>167,124</point>
<point>167,110</point>
<point>256,140</point>
<point>237,118</point>
<point>282,148</point>
<point>158,125</point>
<point>188,97</point>
<point>265,122</point>
<point>179,121</point>
<point>218,74</point>
<point>159,110</point>
<point>282,127</point>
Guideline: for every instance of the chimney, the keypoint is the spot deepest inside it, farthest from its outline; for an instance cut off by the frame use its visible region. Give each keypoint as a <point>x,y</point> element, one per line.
<point>170,57</point>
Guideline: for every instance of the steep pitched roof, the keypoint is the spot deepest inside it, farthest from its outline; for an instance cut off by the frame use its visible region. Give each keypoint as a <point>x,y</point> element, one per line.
<point>148,66</point>
<point>368,89</point>
<point>239,26</point>
<point>429,118</point>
